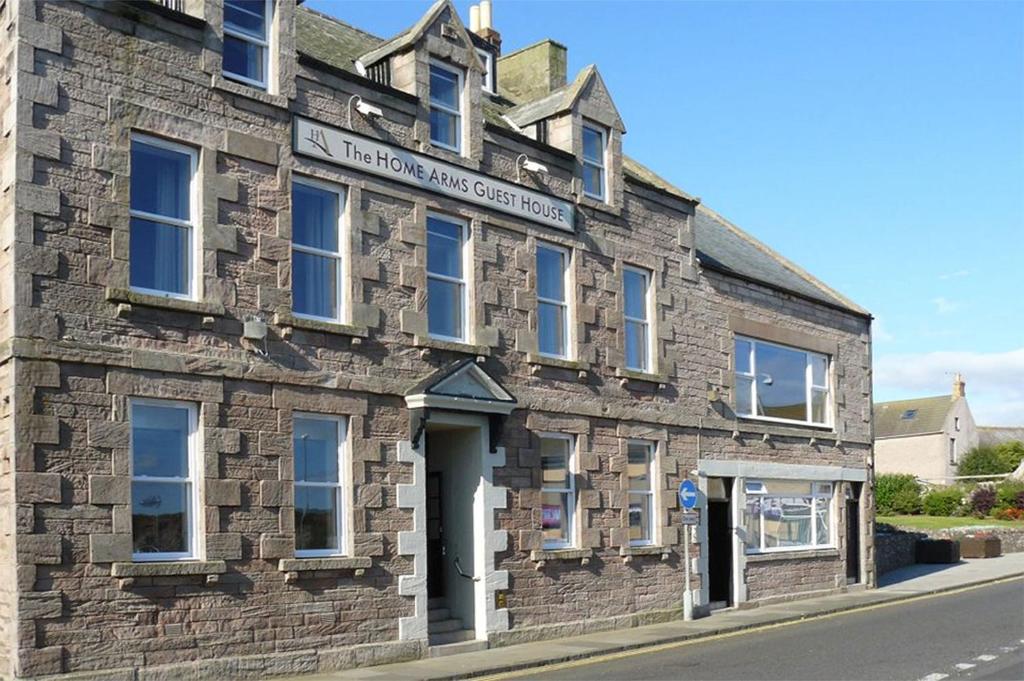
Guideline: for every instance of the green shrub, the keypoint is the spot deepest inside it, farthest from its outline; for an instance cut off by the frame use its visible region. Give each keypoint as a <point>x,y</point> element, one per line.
<point>942,502</point>
<point>897,494</point>
<point>1010,494</point>
<point>989,460</point>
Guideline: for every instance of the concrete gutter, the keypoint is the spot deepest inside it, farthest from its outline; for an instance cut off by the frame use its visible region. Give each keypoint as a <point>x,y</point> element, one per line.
<point>904,584</point>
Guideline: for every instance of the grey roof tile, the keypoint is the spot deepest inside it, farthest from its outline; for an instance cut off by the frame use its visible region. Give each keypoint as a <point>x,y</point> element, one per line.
<point>911,417</point>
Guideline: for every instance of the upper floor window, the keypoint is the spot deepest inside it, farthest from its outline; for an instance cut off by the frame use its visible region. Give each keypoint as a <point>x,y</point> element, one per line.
<point>594,143</point>
<point>952,450</point>
<point>246,41</point>
<point>782,515</point>
<point>319,444</point>
<point>316,250</point>
<point>487,80</point>
<point>956,423</point>
<point>552,301</point>
<point>640,471</point>
<point>636,284</point>
<point>780,383</point>
<point>558,490</point>
<point>162,218</point>
<point>445,107</point>
<point>446,278</point>
<point>164,508</point>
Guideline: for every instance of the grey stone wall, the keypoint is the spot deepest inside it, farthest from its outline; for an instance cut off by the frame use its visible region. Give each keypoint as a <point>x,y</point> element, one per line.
<point>90,73</point>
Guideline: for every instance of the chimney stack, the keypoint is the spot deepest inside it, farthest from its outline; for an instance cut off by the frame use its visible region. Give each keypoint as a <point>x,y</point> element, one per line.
<point>959,386</point>
<point>474,19</point>
<point>481,22</point>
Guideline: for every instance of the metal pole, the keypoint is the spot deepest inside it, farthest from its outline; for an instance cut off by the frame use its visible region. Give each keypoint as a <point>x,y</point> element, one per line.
<point>687,592</point>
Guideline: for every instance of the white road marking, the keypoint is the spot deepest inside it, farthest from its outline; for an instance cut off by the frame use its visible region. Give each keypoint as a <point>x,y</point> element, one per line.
<point>935,677</point>
<point>964,666</point>
<point>986,658</point>
<point>1008,649</point>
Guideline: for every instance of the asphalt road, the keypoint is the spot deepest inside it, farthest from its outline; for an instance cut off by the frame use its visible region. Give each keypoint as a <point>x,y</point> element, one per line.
<point>923,639</point>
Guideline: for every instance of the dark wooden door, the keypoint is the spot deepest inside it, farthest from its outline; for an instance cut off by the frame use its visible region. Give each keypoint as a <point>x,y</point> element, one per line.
<point>852,541</point>
<point>719,552</point>
<point>435,538</point>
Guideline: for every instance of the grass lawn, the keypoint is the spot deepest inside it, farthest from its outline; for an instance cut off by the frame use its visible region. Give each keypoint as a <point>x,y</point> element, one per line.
<point>927,522</point>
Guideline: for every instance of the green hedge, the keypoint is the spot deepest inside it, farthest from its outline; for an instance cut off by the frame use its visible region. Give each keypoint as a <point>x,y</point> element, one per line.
<point>897,494</point>
<point>996,460</point>
<point>942,502</point>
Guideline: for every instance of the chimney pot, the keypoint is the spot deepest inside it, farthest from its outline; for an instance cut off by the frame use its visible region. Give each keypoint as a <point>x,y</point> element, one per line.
<point>485,14</point>
<point>959,386</point>
<point>474,18</point>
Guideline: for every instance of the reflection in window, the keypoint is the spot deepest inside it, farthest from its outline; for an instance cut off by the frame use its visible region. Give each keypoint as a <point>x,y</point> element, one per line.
<point>593,162</point>
<point>640,478</point>
<point>318,443</point>
<point>777,382</point>
<point>635,289</point>
<point>446,281</point>
<point>787,514</point>
<point>163,493</point>
<point>552,305</point>
<point>445,107</point>
<point>558,491</point>
<point>245,41</point>
<point>316,250</point>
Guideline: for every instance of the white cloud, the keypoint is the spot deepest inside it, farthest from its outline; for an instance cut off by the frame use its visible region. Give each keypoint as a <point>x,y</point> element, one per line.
<point>995,380</point>
<point>954,275</point>
<point>945,305</point>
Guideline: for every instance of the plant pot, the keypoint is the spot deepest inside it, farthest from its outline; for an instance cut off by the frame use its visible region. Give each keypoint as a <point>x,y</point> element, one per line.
<point>980,547</point>
<point>937,551</point>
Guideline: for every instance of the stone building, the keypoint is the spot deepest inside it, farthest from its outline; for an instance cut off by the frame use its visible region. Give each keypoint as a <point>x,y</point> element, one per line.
<point>319,349</point>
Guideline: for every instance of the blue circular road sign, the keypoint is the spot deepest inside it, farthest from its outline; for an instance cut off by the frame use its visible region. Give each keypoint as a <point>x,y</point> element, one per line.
<point>687,494</point>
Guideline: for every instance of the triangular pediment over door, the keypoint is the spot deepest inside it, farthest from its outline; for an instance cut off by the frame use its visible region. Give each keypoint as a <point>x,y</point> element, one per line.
<point>464,386</point>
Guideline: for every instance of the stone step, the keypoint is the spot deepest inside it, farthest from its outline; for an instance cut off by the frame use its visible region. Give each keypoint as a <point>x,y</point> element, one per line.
<point>435,614</point>
<point>457,636</point>
<point>442,626</point>
<point>438,602</point>
<point>445,649</point>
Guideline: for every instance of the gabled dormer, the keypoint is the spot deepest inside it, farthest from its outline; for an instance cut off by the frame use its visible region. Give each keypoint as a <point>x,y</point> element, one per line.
<point>436,61</point>
<point>579,117</point>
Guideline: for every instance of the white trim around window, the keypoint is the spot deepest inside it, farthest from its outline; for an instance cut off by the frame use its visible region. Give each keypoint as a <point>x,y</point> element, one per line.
<point>488,79</point>
<point>459,281</point>
<point>596,163</point>
<point>337,257</point>
<point>189,224</point>
<point>261,41</point>
<point>641,325</point>
<point>641,496</point>
<point>450,73</point>
<point>139,482</point>
<point>792,506</point>
<point>562,515</point>
<point>562,307</point>
<point>816,375</point>
<point>335,488</point>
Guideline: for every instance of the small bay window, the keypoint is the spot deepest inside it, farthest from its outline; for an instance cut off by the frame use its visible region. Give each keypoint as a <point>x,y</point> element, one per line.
<point>783,515</point>
<point>779,383</point>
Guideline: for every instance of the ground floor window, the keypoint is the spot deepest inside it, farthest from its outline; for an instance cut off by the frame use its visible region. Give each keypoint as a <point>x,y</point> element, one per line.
<point>319,443</point>
<point>640,473</point>
<point>783,515</point>
<point>558,491</point>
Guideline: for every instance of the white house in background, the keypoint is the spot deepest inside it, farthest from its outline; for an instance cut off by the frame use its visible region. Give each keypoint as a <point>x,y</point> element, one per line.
<point>926,436</point>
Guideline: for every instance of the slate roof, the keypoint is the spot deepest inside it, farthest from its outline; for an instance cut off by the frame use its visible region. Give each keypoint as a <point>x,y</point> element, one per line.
<point>721,245</point>
<point>929,416</point>
<point>990,436</point>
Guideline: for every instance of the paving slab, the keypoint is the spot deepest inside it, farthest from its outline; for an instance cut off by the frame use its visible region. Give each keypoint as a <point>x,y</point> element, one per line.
<point>898,585</point>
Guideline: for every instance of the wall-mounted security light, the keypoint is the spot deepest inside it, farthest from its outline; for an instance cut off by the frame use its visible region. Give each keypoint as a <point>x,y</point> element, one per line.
<point>523,162</point>
<point>365,108</point>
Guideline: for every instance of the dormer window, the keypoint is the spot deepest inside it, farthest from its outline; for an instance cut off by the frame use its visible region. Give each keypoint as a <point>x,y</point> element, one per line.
<point>246,41</point>
<point>488,76</point>
<point>445,107</point>
<point>594,144</point>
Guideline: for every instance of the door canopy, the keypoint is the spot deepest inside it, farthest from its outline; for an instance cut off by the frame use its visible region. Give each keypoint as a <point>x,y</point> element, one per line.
<point>464,386</point>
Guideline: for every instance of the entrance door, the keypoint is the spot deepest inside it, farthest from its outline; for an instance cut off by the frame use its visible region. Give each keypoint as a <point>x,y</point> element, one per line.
<point>853,534</point>
<point>719,543</point>
<point>435,537</point>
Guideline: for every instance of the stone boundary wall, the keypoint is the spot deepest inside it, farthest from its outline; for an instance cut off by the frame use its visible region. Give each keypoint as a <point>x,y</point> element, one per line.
<point>1012,537</point>
<point>894,550</point>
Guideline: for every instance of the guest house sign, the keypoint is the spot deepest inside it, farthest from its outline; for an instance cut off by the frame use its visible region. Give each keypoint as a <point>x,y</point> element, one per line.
<point>355,151</point>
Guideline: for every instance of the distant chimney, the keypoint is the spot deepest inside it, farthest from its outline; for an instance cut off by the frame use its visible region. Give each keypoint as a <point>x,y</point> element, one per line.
<point>532,72</point>
<point>481,22</point>
<point>959,386</point>
<point>474,18</point>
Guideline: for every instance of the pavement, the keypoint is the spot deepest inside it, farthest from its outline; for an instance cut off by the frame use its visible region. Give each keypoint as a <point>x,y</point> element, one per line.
<point>904,584</point>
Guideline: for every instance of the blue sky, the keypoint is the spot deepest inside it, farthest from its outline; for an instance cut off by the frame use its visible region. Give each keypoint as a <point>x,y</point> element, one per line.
<point>880,145</point>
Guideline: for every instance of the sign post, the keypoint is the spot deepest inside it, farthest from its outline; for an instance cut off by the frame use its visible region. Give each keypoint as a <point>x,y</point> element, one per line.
<point>688,501</point>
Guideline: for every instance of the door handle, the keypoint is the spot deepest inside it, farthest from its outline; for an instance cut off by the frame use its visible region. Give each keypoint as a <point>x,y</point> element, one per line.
<point>458,568</point>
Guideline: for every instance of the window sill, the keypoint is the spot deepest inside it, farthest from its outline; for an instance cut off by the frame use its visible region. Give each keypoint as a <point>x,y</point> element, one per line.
<point>293,566</point>
<point>631,375</point>
<point>121,295</point>
<point>287,320</point>
<point>175,568</point>
<point>541,557</point>
<point>782,423</point>
<point>603,206</point>
<point>223,84</point>
<point>556,362</point>
<point>794,554</point>
<point>453,346</point>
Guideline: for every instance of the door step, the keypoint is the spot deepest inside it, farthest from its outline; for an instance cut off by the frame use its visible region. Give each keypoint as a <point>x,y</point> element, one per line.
<point>444,626</point>
<point>443,650</point>
<point>437,614</point>
<point>457,636</point>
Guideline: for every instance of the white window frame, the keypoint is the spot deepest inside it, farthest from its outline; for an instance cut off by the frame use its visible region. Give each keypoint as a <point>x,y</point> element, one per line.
<point>570,491</point>
<point>810,388</point>
<point>648,364</point>
<point>463,283</point>
<point>192,508</point>
<point>565,304</point>
<point>602,166</point>
<point>263,43</point>
<point>340,486</point>
<point>190,224</point>
<point>339,256</point>
<point>652,473</point>
<point>488,60</point>
<point>817,497</point>
<point>434,104</point>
